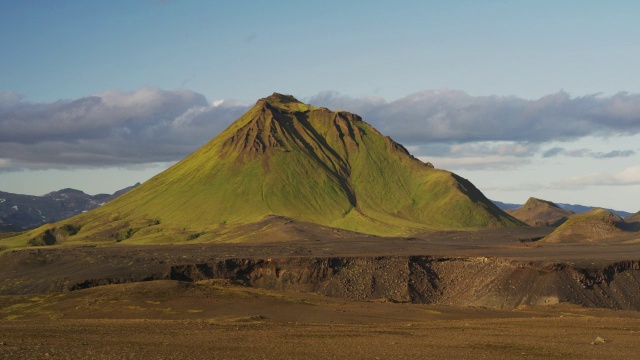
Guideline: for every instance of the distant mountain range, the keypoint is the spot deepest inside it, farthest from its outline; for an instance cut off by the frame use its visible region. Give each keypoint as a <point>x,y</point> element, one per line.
<point>23,212</point>
<point>578,209</point>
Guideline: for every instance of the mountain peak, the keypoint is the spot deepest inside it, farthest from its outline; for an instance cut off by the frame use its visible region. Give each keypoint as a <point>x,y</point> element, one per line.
<point>535,202</point>
<point>281,102</point>
<point>538,212</point>
<point>277,98</point>
<point>281,123</point>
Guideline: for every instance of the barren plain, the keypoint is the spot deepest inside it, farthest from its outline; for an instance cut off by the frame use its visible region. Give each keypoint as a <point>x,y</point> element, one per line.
<point>484,294</point>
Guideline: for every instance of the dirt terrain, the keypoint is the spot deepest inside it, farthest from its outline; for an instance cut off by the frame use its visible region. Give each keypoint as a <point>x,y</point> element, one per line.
<point>490,294</point>
<point>220,319</point>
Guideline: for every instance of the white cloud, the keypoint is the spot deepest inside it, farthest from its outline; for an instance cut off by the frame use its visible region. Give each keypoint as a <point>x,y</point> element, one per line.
<point>452,128</point>
<point>506,149</point>
<point>111,128</point>
<point>476,162</point>
<point>560,151</point>
<point>10,99</point>
<point>454,116</point>
<point>628,176</point>
<point>229,103</point>
<point>5,163</point>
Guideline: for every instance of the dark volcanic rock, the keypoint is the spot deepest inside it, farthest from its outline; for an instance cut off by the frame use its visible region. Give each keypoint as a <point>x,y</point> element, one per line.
<point>459,281</point>
<point>492,283</point>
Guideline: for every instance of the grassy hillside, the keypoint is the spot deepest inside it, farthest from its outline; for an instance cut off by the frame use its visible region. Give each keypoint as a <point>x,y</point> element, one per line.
<point>633,222</point>
<point>593,226</point>
<point>288,159</point>
<point>538,212</point>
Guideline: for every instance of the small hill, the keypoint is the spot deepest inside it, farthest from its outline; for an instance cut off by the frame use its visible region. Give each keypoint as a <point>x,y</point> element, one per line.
<point>633,222</point>
<point>594,226</point>
<point>537,212</point>
<point>292,160</point>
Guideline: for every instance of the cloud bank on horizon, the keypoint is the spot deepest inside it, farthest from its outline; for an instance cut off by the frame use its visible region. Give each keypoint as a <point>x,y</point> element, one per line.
<point>454,116</point>
<point>114,128</point>
<point>151,125</point>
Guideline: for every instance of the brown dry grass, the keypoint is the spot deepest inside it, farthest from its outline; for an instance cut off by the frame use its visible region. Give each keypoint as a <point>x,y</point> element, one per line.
<point>217,319</point>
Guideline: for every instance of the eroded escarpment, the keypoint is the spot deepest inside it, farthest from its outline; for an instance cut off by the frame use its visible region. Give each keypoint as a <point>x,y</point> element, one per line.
<point>487,282</point>
<point>493,282</point>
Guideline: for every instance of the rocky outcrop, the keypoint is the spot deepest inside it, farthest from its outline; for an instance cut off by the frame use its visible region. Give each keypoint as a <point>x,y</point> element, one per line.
<point>487,282</point>
<point>493,282</point>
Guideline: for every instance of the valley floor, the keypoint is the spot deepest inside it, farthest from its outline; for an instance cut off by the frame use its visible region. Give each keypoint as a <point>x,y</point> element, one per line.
<point>394,298</point>
<point>218,319</point>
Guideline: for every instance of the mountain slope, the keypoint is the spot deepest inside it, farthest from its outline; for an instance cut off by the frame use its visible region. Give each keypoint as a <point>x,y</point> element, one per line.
<point>297,161</point>
<point>596,225</point>
<point>537,212</point>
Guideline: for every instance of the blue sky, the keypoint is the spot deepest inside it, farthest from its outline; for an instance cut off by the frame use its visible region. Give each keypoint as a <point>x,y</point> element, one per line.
<point>89,89</point>
<point>244,49</point>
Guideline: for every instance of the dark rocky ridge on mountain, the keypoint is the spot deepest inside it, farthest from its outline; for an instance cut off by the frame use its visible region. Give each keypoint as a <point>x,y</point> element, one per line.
<point>23,212</point>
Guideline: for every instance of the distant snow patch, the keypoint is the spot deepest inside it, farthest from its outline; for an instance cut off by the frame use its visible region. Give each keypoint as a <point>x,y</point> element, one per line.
<point>15,207</point>
<point>2,200</point>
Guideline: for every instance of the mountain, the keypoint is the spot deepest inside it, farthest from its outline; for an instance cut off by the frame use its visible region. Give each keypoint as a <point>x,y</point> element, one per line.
<point>596,225</point>
<point>23,212</point>
<point>537,212</point>
<point>292,160</point>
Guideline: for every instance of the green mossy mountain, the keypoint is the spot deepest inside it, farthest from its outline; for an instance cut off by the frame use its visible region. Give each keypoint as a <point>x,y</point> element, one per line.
<point>297,161</point>
<point>596,225</point>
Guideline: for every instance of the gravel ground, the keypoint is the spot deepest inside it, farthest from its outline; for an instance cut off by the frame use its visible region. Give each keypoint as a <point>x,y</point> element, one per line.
<point>170,320</point>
